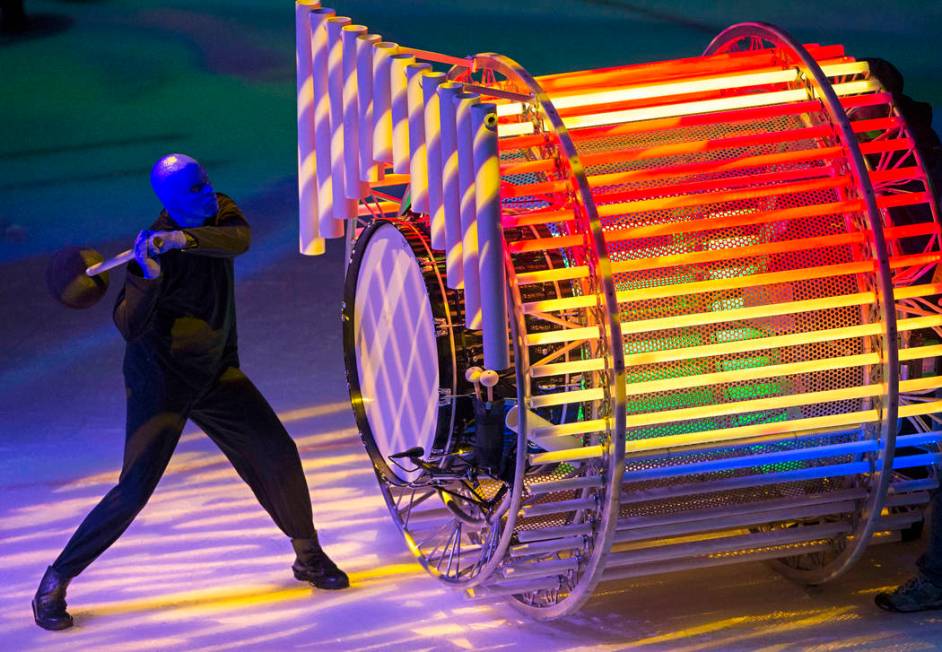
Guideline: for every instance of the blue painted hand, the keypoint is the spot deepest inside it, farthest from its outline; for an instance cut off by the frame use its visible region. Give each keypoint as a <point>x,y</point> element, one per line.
<point>144,252</point>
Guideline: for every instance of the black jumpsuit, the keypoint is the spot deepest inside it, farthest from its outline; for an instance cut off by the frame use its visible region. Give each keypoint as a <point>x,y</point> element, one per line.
<point>182,362</point>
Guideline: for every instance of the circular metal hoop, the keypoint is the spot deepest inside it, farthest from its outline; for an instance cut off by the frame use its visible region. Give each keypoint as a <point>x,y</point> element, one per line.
<point>589,573</point>
<point>754,34</point>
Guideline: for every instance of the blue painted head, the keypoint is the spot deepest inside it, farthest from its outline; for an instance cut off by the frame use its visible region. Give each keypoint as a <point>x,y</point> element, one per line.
<point>183,187</point>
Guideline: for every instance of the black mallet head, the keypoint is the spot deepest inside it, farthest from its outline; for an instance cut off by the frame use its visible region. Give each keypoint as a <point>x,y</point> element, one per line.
<point>67,281</point>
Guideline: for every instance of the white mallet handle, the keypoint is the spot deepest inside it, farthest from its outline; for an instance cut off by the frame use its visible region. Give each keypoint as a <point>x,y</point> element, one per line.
<point>121,259</point>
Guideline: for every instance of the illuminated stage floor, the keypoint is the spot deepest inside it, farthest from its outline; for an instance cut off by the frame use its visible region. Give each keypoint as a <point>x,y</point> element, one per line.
<point>203,568</point>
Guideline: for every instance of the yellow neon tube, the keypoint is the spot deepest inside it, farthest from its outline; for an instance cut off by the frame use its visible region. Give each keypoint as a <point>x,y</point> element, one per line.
<point>573,367</point>
<point>689,108</point>
<point>651,91</point>
<point>713,285</point>
<point>776,402</point>
<point>597,364</point>
<point>765,343</point>
<point>918,409</point>
<point>567,455</point>
<point>753,430</point>
<point>740,407</point>
<point>758,344</point>
<point>777,428</point>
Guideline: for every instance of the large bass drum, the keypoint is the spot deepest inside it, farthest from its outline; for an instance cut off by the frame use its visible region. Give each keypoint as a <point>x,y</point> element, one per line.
<point>400,347</point>
<point>404,344</point>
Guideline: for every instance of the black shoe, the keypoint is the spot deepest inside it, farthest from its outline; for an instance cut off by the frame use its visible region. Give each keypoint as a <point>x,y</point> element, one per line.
<point>314,566</point>
<point>918,594</point>
<point>49,602</point>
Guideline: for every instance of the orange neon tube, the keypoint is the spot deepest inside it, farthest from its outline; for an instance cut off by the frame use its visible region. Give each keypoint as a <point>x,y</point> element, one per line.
<point>674,149</point>
<point>701,167</point>
<point>613,99</point>
<point>687,108</point>
<point>757,180</point>
<point>663,124</point>
<point>661,203</point>
<point>714,255</point>
<point>625,96</point>
<point>686,66</point>
<point>746,219</point>
<point>769,248</point>
<point>721,316</point>
<point>566,215</point>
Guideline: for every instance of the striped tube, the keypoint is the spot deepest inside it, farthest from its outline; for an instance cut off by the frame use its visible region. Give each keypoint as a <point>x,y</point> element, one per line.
<point>418,159</point>
<point>329,225</point>
<point>399,106</point>
<point>352,187</point>
<point>310,242</point>
<point>451,198</point>
<point>370,171</point>
<point>343,208</point>
<point>491,262</point>
<point>433,152</point>
<point>468,213</point>
<point>382,109</point>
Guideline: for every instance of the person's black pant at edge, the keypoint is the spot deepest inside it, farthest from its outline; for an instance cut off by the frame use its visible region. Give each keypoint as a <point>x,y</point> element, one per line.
<point>930,563</point>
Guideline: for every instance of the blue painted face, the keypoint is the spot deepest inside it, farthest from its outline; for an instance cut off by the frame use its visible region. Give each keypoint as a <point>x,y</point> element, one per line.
<point>183,187</point>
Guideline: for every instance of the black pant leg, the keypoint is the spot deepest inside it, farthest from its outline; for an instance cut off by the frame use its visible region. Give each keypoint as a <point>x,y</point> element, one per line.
<point>237,417</point>
<point>155,420</point>
<point>930,563</point>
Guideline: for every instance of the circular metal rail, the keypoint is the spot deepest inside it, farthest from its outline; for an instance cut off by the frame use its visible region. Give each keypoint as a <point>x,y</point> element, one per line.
<point>753,34</point>
<point>589,572</point>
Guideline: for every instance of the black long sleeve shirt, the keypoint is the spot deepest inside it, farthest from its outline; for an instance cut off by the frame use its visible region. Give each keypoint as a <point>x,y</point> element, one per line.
<point>181,326</point>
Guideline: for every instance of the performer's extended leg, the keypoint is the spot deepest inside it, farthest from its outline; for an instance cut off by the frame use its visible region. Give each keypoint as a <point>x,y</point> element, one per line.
<point>237,417</point>
<point>154,424</point>
<point>242,423</point>
<point>153,430</point>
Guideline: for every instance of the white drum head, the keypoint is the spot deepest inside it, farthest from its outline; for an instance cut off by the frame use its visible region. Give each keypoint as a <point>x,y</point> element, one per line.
<point>396,352</point>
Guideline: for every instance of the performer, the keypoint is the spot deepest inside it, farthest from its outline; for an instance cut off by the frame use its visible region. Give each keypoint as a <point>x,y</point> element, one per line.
<point>177,313</point>
<point>924,590</point>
